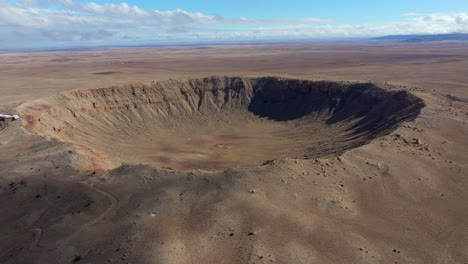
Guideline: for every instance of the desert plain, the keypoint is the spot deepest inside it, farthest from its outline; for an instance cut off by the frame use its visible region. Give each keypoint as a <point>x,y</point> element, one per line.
<point>321,152</point>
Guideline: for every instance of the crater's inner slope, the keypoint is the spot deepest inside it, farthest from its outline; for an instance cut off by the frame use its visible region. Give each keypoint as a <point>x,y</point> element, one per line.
<point>218,122</point>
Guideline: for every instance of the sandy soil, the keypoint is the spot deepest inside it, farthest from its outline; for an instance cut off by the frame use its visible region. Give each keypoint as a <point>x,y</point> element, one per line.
<point>401,198</point>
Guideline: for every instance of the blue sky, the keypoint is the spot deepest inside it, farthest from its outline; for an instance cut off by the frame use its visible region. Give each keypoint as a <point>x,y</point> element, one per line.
<point>56,23</point>
<point>351,10</point>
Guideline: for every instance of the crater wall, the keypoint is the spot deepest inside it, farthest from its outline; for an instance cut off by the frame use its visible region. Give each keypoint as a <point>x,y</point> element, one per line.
<point>217,122</point>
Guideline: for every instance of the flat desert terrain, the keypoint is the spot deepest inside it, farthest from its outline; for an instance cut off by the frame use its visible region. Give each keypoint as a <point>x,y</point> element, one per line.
<point>347,152</point>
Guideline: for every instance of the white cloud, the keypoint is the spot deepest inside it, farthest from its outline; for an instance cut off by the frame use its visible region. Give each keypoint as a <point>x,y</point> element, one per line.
<point>107,9</point>
<point>78,23</point>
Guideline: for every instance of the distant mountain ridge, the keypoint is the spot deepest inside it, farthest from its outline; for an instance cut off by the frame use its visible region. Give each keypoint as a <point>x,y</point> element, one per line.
<point>425,38</point>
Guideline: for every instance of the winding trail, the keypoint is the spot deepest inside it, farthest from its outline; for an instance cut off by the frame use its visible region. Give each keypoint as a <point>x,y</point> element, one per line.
<point>37,232</point>
<point>3,126</point>
<point>97,219</point>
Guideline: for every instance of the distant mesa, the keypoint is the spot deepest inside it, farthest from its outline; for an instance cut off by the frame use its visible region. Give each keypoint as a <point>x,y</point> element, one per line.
<point>425,38</point>
<point>62,60</point>
<point>216,123</point>
<point>107,73</point>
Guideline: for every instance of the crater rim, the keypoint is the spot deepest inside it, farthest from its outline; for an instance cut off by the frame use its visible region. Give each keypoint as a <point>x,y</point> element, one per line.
<point>42,116</point>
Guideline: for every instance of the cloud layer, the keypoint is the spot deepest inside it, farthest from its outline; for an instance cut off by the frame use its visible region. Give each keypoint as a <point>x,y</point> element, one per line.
<point>67,22</point>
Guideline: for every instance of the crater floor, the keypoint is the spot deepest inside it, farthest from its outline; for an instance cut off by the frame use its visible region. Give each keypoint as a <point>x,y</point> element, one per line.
<point>218,122</point>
